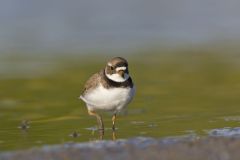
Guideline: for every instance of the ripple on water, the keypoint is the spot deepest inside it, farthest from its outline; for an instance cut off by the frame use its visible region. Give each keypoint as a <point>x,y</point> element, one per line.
<point>137,122</point>
<point>95,128</point>
<point>92,128</point>
<point>39,142</point>
<point>152,125</point>
<point>8,103</point>
<point>225,132</point>
<point>232,118</point>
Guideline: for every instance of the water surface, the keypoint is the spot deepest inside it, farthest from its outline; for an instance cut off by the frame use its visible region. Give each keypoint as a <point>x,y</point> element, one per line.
<point>177,94</point>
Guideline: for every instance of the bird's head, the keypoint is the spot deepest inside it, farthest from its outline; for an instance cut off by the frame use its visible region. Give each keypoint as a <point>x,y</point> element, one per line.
<point>117,69</point>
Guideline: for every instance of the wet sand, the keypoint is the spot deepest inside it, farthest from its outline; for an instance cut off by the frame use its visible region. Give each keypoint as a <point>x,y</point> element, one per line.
<point>139,148</point>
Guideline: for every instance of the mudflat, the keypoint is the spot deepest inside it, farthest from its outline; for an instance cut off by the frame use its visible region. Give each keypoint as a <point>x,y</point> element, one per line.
<point>186,148</point>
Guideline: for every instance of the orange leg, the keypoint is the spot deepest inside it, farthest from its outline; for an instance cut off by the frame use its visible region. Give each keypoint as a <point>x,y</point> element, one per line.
<point>99,121</point>
<point>113,121</point>
<point>113,126</point>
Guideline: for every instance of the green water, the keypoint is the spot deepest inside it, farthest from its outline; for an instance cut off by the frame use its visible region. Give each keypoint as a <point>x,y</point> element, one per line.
<point>177,94</point>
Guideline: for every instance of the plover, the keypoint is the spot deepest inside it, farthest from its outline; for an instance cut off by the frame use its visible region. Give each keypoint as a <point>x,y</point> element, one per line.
<point>111,89</point>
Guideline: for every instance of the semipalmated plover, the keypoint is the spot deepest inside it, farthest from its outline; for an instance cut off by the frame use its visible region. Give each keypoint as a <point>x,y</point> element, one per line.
<point>111,89</point>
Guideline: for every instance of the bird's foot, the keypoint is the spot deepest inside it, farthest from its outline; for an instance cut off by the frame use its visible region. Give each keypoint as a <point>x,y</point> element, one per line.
<point>113,128</point>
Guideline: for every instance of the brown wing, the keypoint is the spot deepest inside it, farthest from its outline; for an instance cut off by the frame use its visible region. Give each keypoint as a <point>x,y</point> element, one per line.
<point>91,83</point>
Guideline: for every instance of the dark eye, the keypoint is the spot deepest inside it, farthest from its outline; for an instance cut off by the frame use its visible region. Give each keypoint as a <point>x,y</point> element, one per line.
<point>112,68</point>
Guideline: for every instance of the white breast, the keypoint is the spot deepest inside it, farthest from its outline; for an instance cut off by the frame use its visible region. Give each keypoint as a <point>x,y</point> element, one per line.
<point>113,99</point>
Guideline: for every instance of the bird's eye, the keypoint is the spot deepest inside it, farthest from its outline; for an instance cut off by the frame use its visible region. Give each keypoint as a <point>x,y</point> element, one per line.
<point>112,68</point>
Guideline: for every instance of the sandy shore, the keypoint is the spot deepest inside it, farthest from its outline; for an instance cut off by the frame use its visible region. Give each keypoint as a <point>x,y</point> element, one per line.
<point>140,148</point>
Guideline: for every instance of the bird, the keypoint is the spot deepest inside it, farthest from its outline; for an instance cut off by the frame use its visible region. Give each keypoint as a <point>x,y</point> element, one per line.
<point>111,89</point>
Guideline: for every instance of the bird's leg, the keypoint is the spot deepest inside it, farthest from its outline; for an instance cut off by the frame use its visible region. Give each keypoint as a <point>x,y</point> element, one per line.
<point>113,121</point>
<point>113,126</point>
<point>100,122</point>
<point>114,135</point>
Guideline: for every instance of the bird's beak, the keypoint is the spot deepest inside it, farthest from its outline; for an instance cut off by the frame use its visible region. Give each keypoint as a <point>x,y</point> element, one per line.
<point>121,73</point>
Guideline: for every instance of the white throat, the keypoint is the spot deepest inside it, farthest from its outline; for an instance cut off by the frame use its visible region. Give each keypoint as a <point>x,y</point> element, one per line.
<point>117,78</point>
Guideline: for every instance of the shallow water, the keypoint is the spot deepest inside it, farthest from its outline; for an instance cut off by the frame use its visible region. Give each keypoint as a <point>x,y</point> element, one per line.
<point>177,94</point>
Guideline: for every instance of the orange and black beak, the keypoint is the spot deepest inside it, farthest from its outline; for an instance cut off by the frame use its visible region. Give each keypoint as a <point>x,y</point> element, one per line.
<point>121,73</point>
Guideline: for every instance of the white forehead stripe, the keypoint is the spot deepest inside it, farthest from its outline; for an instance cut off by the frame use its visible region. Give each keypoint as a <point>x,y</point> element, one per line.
<point>109,64</point>
<point>121,69</point>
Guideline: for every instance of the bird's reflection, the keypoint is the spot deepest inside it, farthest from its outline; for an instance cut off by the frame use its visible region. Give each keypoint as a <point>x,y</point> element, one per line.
<point>101,134</point>
<point>114,137</point>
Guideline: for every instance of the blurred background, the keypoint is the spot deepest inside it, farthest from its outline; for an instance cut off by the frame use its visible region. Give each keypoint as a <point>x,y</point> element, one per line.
<point>183,55</point>
<point>73,26</point>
